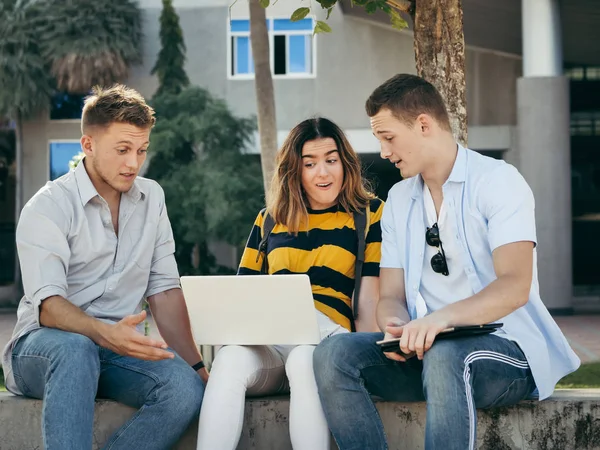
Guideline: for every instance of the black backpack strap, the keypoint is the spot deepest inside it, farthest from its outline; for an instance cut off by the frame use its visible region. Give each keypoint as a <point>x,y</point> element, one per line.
<point>360,224</point>
<point>267,227</point>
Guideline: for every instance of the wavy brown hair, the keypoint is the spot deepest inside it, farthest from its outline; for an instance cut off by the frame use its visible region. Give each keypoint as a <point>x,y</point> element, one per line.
<point>287,203</point>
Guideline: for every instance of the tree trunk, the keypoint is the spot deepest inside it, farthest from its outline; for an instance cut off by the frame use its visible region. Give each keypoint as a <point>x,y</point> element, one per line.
<point>440,56</point>
<point>18,188</point>
<point>265,97</point>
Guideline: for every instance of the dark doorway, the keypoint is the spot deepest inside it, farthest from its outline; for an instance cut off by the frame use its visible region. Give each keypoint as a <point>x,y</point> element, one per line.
<point>7,204</point>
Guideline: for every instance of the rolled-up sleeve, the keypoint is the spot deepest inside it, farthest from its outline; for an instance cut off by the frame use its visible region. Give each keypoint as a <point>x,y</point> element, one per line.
<point>508,206</point>
<point>164,274</point>
<point>390,251</point>
<point>43,250</point>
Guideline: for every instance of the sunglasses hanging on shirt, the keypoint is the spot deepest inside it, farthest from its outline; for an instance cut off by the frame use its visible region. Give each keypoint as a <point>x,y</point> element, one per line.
<point>438,261</point>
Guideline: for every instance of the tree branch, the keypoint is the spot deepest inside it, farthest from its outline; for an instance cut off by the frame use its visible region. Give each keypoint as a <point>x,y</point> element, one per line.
<point>401,5</point>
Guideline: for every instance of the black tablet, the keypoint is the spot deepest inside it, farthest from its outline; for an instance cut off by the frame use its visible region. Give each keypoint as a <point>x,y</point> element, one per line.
<point>391,345</point>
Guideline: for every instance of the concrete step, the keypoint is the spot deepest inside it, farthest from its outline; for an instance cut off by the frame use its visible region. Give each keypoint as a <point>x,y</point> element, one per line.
<point>569,420</point>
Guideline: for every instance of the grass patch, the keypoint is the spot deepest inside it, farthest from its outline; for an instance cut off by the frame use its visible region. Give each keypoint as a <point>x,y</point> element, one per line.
<point>2,388</point>
<point>587,376</point>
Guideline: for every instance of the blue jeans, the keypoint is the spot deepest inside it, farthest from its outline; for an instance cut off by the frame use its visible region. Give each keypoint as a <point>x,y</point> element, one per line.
<point>68,370</point>
<point>455,377</point>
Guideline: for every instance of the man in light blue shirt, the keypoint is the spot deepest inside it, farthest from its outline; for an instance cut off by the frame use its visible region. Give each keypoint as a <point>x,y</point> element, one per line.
<point>458,248</point>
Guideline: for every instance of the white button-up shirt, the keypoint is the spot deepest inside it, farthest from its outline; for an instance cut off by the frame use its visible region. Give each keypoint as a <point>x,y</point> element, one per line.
<point>492,206</point>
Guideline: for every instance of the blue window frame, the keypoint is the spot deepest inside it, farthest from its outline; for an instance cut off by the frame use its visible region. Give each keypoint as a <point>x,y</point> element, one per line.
<point>290,43</point>
<point>60,155</point>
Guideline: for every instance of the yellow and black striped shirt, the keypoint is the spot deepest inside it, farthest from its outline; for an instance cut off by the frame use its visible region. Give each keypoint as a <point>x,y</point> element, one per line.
<point>325,251</point>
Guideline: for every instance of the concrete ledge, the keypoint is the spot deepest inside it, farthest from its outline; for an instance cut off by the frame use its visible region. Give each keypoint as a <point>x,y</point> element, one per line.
<point>570,420</point>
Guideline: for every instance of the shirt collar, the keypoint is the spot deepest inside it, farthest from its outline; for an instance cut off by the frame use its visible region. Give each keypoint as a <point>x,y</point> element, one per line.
<point>87,191</point>
<point>457,175</point>
<point>459,170</point>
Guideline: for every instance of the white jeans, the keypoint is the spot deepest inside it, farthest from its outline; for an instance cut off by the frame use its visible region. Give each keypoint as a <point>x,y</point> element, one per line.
<point>238,371</point>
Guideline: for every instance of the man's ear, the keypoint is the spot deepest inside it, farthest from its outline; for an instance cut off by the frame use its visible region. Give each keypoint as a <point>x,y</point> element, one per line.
<point>86,144</point>
<point>425,124</point>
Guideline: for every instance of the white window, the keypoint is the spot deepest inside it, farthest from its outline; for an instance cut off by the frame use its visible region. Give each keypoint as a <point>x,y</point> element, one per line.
<point>291,45</point>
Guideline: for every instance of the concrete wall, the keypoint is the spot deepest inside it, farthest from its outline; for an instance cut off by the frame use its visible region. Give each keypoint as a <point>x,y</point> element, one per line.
<point>491,88</point>
<point>568,421</point>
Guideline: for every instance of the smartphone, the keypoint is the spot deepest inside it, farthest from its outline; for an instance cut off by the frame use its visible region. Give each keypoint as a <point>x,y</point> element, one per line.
<point>393,346</point>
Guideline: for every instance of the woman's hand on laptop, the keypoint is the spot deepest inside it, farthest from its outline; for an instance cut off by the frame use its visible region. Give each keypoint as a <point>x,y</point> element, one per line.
<point>124,339</point>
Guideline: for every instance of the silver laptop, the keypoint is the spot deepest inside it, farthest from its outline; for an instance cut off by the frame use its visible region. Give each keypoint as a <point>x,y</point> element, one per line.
<point>251,309</point>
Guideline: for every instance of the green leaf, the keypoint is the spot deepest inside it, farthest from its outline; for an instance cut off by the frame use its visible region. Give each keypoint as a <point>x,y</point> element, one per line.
<point>321,27</point>
<point>371,7</point>
<point>359,2</point>
<point>328,13</point>
<point>397,21</point>
<point>326,4</point>
<point>299,14</point>
<point>264,3</point>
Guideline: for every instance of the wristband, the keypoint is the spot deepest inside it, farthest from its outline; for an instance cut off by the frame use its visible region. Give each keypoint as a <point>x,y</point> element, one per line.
<point>198,366</point>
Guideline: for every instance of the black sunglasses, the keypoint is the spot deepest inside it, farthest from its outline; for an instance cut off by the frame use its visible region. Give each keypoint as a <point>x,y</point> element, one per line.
<point>438,261</point>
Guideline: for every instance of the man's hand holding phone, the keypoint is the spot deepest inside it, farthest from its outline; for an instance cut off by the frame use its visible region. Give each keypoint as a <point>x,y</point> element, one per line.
<point>391,341</point>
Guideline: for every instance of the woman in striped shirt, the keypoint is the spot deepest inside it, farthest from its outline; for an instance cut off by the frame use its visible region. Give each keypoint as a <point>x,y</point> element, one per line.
<point>316,190</point>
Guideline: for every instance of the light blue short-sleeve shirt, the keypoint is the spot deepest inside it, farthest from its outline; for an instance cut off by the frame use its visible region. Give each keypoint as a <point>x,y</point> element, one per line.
<point>67,246</point>
<point>492,206</point>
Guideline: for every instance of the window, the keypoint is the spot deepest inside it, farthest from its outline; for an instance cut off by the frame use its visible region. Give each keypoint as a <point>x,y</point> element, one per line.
<point>60,155</point>
<point>575,73</point>
<point>64,106</point>
<point>583,73</point>
<point>291,46</point>
<point>592,73</point>
<point>585,123</point>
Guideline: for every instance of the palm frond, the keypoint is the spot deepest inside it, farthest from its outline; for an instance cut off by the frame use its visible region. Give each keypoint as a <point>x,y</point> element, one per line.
<point>89,42</point>
<point>76,73</point>
<point>25,82</point>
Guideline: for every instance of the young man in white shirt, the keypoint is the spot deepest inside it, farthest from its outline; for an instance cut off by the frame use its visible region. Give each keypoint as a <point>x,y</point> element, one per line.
<point>92,245</point>
<point>458,248</point>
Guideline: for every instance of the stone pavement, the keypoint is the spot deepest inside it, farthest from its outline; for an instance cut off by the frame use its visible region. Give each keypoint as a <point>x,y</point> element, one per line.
<point>582,332</point>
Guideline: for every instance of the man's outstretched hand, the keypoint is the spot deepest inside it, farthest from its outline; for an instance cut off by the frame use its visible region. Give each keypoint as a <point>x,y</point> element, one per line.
<point>124,339</point>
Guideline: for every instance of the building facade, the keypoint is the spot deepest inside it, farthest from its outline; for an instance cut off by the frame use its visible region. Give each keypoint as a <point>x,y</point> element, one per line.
<point>518,101</point>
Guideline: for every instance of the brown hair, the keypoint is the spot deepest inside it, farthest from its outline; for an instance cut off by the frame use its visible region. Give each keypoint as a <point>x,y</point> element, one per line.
<point>287,203</point>
<point>116,104</point>
<point>407,96</point>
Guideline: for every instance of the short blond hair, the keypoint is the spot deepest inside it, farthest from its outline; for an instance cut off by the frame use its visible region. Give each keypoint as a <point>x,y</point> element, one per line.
<point>116,104</point>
